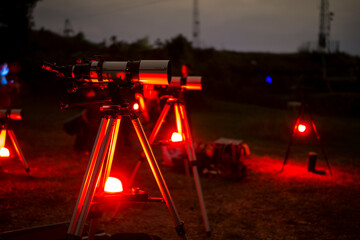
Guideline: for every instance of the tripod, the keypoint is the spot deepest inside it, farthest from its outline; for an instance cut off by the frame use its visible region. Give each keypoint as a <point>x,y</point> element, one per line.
<point>100,164</point>
<point>305,108</point>
<point>184,129</point>
<point>4,131</point>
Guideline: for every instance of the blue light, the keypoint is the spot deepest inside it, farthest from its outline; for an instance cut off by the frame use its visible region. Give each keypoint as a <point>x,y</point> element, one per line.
<point>4,70</point>
<point>3,81</point>
<point>268,79</point>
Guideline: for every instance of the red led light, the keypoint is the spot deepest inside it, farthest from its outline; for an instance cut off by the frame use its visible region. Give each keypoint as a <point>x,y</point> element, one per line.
<point>176,137</point>
<point>120,75</point>
<point>136,106</point>
<point>301,128</point>
<point>4,152</point>
<point>113,185</point>
<point>184,71</point>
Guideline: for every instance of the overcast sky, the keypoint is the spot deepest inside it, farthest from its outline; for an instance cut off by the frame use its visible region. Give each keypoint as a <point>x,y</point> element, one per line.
<point>240,25</point>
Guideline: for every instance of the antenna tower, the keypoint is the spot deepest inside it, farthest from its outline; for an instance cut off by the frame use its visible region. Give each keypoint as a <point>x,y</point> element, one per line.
<point>324,29</point>
<point>196,25</point>
<point>68,30</point>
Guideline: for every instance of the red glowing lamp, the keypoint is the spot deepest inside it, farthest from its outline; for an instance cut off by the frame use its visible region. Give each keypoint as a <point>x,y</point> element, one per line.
<point>136,106</point>
<point>184,71</point>
<point>113,185</point>
<point>4,152</point>
<point>301,128</point>
<point>176,137</point>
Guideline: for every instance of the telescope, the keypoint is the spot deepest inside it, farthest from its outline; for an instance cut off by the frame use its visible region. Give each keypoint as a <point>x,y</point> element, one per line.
<point>100,72</point>
<point>14,114</point>
<point>188,83</point>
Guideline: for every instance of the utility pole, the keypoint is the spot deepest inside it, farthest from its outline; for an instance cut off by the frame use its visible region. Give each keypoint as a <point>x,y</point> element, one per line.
<point>196,25</point>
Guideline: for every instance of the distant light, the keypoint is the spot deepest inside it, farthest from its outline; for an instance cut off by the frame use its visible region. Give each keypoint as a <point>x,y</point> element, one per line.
<point>268,79</point>
<point>4,70</point>
<point>176,137</point>
<point>113,185</point>
<point>301,128</point>
<point>136,106</point>
<point>3,80</point>
<point>4,152</point>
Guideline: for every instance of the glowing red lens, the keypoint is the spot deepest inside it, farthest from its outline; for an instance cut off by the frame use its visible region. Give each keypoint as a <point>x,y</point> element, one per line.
<point>4,152</point>
<point>176,137</point>
<point>113,185</point>
<point>136,106</point>
<point>301,128</point>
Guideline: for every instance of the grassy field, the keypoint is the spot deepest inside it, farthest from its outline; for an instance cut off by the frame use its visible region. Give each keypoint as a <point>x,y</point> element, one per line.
<point>266,204</point>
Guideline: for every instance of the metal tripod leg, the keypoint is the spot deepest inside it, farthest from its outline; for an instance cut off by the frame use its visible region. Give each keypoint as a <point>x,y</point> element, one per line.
<point>18,150</point>
<point>91,178</point>
<point>301,114</point>
<point>320,142</point>
<point>180,127</point>
<point>111,151</point>
<point>3,137</point>
<point>192,159</point>
<point>105,173</point>
<point>159,123</point>
<point>290,144</point>
<point>179,225</point>
<point>152,137</point>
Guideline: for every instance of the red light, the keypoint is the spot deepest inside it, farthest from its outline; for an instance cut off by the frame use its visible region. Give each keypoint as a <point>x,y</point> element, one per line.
<point>136,106</point>
<point>113,185</point>
<point>4,152</point>
<point>301,128</point>
<point>120,75</point>
<point>176,137</point>
<point>184,71</point>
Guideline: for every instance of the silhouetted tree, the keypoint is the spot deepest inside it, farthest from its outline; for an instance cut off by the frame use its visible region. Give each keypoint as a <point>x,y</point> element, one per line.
<point>15,23</point>
<point>180,51</point>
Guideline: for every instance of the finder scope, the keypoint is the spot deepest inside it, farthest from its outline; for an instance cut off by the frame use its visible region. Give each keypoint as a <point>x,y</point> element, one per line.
<point>188,83</point>
<point>15,114</point>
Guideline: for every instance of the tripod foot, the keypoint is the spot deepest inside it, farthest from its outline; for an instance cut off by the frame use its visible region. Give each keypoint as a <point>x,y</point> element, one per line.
<point>181,230</point>
<point>208,234</point>
<point>72,237</point>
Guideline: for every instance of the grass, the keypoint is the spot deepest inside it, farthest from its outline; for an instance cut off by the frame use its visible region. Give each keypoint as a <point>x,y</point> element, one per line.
<point>267,204</point>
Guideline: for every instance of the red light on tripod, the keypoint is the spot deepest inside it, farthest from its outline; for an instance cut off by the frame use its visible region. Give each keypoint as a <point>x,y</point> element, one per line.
<point>113,185</point>
<point>176,137</point>
<point>184,71</point>
<point>136,106</point>
<point>301,128</point>
<point>4,152</point>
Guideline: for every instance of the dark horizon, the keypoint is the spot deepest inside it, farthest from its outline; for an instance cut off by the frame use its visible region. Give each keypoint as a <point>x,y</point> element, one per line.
<point>237,26</point>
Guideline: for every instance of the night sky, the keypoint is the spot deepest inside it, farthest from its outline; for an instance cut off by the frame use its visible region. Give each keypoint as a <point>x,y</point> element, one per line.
<point>278,26</point>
